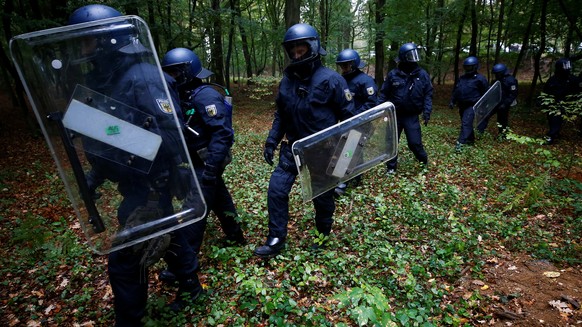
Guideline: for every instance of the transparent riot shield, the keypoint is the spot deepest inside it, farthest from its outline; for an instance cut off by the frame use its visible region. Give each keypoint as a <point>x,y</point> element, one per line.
<point>487,103</point>
<point>103,104</point>
<point>345,150</point>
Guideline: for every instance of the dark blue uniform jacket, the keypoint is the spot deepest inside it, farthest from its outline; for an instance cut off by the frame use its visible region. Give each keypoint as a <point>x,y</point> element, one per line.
<point>307,106</point>
<point>212,119</point>
<point>468,89</point>
<point>508,89</point>
<point>363,89</point>
<point>411,93</point>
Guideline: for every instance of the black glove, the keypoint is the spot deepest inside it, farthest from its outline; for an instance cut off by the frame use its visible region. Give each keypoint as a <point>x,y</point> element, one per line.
<point>426,118</point>
<point>209,175</point>
<point>268,153</point>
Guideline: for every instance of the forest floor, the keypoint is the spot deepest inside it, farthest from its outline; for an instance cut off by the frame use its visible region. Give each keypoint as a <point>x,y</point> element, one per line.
<point>523,291</point>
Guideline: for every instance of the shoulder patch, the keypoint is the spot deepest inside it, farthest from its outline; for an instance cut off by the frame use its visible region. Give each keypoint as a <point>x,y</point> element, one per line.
<point>164,105</point>
<point>370,90</point>
<point>211,110</point>
<point>513,87</point>
<point>348,94</point>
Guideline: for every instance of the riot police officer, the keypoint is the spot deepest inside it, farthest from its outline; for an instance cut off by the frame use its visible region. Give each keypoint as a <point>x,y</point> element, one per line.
<point>363,88</point>
<point>562,84</point>
<point>209,137</point>
<point>408,86</point>
<point>508,99</point>
<point>469,88</point>
<point>118,71</point>
<point>311,97</point>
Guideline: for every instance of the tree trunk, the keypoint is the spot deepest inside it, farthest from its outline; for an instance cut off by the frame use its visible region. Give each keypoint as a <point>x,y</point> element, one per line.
<point>244,41</point>
<point>292,12</point>
<point>379,42</point>
<point>525,41</point>
<point>538,54</point>
<point>499,29</point>
<point>459,38</point>
<point>474,28</point>
<point>216,47</point>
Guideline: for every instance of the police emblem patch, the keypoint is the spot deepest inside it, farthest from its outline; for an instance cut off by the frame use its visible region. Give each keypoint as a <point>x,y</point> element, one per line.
<point>164,105</point>
<point>370,90</point>
<point>513,87</point>
<point>348,94</point>
<point>211,110</point>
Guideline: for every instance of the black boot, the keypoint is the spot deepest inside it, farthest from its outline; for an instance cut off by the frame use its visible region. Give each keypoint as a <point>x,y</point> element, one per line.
<point>188,291</point>
<point>340,190</point>
<point>236,239</point>
<point>167,276</point>
<point>272,247</point>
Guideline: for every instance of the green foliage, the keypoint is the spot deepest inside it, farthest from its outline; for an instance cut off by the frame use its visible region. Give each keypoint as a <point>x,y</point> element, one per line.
<point>570,108</point>
<point>399,245</point>
<point>264,86</point>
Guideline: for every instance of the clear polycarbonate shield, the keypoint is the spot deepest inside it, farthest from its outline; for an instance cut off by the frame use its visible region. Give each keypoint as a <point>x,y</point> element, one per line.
<point>103,104</point>
<point>487,103</point>
<point>345,150</point>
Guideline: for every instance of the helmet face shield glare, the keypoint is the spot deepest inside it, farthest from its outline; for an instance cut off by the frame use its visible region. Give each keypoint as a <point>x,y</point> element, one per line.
<point>566,65</point>
<point>301,51</point>
<point>412,56</point>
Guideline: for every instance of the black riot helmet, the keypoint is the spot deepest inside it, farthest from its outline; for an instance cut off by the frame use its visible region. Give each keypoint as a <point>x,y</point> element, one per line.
<point>563,67</point>
<point>408,52</point>
<point>352,57</point>
<point>184,65</point>
<point>118,37</point>
<point>499,70</point>
<point>471,65</point>
<point>306,37</point>
<point>91,13</point>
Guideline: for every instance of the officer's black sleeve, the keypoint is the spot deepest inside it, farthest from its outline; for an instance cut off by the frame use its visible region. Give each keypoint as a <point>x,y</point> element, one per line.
<point>217,119</point>
<point>277,131</point>
<point>384,90</point>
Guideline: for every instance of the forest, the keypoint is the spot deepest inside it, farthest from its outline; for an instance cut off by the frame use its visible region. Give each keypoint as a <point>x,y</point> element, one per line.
<point>241,40</point>
<point>490,236</point>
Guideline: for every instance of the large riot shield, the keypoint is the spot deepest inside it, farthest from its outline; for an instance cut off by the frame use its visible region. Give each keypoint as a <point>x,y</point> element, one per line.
<point>105,109</point>
<point>485,105</point>
<point>345,150</point>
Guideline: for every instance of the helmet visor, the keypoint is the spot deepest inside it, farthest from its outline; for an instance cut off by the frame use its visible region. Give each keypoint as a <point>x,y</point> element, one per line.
<point>301,51</point>
<point>412,56</point>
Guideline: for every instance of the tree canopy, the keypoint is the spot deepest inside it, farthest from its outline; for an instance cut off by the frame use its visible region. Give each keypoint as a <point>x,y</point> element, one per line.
<point>240,39</point>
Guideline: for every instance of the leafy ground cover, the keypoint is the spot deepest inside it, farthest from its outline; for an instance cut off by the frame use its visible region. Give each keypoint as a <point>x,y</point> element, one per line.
<point>489,236</point>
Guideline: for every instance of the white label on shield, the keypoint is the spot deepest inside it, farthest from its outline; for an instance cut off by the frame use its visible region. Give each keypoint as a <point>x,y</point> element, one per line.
<point>111,130</point>
<point>347,153</point>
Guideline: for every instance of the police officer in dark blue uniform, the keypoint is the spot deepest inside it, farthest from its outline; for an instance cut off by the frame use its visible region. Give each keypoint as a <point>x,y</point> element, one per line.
<point>115,67</point>
<point>363,88</point>
<point>469,88</point>
<point>311,97</point>
<point>209,137</point>
<point>409,88</point>
<point>562,84</point>
<point>508,99</point>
